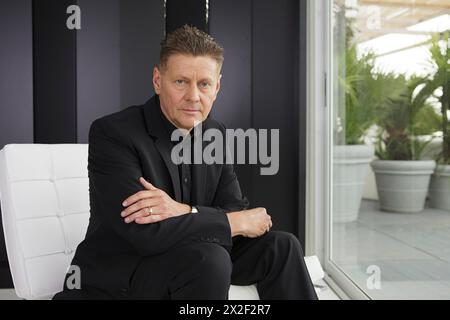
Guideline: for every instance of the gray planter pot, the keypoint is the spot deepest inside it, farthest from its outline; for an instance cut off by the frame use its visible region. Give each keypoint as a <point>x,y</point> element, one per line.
<point>402,185</point>
<point>440,188</point>
<point>349,172</point>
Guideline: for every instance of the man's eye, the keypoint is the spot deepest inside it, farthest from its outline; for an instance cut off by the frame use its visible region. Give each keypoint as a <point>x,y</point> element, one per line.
<point>179,81</point>
<point>204,84</point>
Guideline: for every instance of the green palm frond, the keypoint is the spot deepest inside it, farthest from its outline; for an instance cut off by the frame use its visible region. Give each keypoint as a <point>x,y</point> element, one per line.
<point>440,79</point>
<point>405,115</point>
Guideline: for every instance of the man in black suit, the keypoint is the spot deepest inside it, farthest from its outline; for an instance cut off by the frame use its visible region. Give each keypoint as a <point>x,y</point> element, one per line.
<point>160,230</point>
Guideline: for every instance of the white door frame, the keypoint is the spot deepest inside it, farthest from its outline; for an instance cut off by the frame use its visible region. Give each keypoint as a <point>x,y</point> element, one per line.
<point>319,147</point>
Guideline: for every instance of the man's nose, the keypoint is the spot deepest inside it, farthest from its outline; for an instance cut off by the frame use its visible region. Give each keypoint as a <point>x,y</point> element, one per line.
<point>193,94</point>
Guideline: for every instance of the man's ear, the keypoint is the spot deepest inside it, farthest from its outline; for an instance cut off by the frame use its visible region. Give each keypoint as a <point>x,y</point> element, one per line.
<point>157,80</point>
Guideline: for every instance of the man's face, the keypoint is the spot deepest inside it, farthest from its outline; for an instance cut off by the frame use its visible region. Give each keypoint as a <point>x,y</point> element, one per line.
<point>187,87</point>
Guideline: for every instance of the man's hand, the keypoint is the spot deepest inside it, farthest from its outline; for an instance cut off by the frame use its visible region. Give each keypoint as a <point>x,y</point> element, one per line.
<point>251,223</point>
<point>151,205</point>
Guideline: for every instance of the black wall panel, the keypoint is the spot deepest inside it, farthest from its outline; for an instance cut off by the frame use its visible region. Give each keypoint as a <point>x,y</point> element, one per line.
<point>181,12</point>
<point>54,73</point>
<point>234,102</point>
<point>261,89</point>
<point>275,89</point>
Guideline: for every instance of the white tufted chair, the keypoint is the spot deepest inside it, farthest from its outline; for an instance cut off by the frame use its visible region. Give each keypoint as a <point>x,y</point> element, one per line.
<point>45,209</point>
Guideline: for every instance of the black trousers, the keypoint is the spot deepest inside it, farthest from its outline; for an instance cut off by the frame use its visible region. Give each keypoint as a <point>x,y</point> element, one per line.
<point>201,270</point>
<point>274,262</point>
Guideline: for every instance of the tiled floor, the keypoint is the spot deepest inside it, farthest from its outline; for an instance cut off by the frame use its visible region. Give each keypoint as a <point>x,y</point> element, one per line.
<point>412,252</point>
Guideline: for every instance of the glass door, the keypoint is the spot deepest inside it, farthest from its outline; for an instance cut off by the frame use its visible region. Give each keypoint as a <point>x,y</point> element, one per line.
<point>390,156</point>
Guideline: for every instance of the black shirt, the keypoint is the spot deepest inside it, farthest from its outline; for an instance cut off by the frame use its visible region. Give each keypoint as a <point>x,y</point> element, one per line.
<point>184,170</point>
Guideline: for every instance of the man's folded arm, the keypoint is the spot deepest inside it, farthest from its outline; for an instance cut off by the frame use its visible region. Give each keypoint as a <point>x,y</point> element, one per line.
<point>114,171</point>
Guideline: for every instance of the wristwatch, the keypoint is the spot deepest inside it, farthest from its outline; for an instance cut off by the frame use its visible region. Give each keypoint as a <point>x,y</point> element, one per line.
<point>193,209</point>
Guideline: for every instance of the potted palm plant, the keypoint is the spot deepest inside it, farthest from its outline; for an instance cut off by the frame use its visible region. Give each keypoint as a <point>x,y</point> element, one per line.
<point>351,157</point>
<point>402,178</point>
<point>438,85</point>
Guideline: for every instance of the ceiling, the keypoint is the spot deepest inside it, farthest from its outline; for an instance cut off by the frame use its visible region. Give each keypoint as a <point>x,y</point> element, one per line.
<point>375,18</point>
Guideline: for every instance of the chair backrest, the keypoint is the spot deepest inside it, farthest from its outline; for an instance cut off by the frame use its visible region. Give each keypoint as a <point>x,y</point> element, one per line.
<point>44,192</point>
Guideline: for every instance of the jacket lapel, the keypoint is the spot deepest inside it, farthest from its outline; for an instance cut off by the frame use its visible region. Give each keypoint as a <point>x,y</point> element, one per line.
<point>165,148</point>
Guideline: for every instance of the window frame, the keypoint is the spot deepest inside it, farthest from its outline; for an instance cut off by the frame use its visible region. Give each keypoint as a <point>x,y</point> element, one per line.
<point>319,166</point>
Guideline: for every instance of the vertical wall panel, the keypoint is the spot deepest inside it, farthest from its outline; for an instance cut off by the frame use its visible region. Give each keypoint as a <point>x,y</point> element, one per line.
<point>141,31</point>
<point>300,119</point>
<point>16,89</point>
<point>54,73</point>
<point>261,89</point>
<point>235,96</point>
<point>118,45</point>
<point>181,12</point>
<point>16,72</point>
<point>234,102</point>
<point>98,63</point>
<point>275,103</point>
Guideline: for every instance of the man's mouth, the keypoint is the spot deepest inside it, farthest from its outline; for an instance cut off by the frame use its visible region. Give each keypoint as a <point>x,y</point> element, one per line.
<point>191,111</point>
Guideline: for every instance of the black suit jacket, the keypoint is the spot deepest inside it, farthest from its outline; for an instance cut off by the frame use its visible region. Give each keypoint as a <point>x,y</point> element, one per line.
<point>123,147</point>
